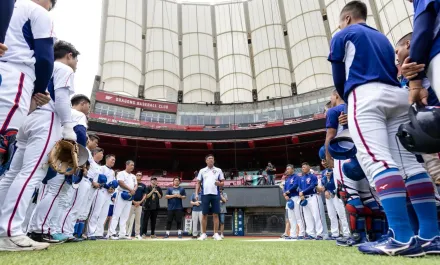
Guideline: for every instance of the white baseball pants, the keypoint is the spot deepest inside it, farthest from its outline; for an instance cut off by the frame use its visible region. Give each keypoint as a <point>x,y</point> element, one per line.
<point>375,112</point>
<point>47,206</point>
<point>35,139</point>
<point>312,216</point>
<point>121,212</point>
<point>196,220</point>
<point>323,216</point>
<point>99,213</point>
<point>335,209</point>
<point>64,201</point>
<point>433,76</point>
<point>15,97</point>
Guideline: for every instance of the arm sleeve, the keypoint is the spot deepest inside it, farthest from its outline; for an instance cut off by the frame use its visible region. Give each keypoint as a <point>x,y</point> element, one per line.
<point>332,119</point>
<point>44,59</point>
<point>6,10</point>
<point>81,134</point>
<point>183,192</point>
<point>422,38</point>
<point>193,197</point>
<point>62,105</point>
<point>338,70</point>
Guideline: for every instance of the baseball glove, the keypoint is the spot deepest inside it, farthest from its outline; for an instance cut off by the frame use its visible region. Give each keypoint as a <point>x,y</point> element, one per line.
<point>63,157</point>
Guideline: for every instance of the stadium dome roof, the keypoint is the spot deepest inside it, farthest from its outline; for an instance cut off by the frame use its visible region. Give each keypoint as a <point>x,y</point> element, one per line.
<point>228,51</point>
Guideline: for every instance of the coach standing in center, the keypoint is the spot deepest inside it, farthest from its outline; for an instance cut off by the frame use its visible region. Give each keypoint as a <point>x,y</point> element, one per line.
<point>209,180</point>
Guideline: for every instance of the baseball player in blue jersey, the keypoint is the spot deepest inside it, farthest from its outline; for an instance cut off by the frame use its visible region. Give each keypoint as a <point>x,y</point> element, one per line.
<point>306,185</point>
<point>365,75</point>
<point>294,214</point>
<point>26,67</point>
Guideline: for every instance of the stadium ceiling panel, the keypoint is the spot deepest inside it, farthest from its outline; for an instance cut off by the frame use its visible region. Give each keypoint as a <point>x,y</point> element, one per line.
<point>231,49</point>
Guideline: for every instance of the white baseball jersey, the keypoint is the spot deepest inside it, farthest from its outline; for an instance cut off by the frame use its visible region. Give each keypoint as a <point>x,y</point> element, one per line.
<point>29,22</point>
<point>108,172</point>
<point>79,118</point>
<point>62,77</point>
<point>208,176</point>
<point>128,178</point>
<point>94,169</point>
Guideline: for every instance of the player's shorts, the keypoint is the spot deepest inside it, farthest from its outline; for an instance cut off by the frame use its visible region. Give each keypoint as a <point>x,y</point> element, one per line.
<point>110,211</point>
<point>222,218</point>
<point>212,201</point>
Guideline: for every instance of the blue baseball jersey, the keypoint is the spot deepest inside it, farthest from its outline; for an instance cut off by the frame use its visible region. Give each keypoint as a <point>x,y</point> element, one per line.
<point>308,183</point>
<point>332,118</point>
<point>368,57</point>
<point>175,203</point>
<point>289,185</point>
<point>328,184</point>
<point>421,6</point>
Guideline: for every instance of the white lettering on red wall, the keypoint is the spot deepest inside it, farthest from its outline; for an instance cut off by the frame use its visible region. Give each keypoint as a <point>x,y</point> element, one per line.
<point>136,103</point>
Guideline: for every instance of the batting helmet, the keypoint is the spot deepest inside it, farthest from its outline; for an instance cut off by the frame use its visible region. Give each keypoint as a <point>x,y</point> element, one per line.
<point>352,169</point>
<point>322,152</point>
<point>290,204</point>
<point>342,147</point>
<point>126,196</point>
<point>422,134</point>
<point>303,203</point>
<point>113,184</point>
<point>102,179</point>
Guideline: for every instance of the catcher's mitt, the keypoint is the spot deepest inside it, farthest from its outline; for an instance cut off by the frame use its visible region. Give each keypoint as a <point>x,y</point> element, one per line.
<point>65,157</point>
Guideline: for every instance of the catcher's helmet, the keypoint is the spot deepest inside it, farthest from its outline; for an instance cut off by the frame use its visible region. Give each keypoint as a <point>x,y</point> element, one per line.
<point>322,152</point>
<point>352,169</point>
<point>422,134</point>
<point>290,204</point>
<point>102,179</point>
<point>342,147</point>
<point>126,196</point>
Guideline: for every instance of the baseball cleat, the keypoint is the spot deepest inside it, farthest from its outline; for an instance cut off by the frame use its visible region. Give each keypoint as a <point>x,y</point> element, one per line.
<point>430,247</point>
<point>202,237</point>
<point>179,236</point>
<point>60,237</point>
<point>300,238</point>
<point>217,237</point>
<point>318,238</point>
<point>283,236</point>
<point>166,237</point>
<point>114,237</point>
<point>91,238</point>
<point>153,237</point>
<point>21,243</point>
<point>392,247</point>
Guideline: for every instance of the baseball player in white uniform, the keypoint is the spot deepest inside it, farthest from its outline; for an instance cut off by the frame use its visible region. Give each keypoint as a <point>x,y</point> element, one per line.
<point>364,73</point>
<point>68,221</point>
<point>66,58</point>
<point>101,202</point>
<point>121,211</point>
<point>25,68</point>
<point>39,133</point>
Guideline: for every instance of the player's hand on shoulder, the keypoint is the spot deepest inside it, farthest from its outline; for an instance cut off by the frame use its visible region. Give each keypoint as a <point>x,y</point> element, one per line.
<point>68,132</point>
<point>342,119</point>
<point>410,70</point>
<point>3,49</point>
<point>41,99</point>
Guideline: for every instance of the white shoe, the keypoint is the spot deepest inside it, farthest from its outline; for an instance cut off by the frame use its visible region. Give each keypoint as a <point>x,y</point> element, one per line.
<point>217,237</point>
<point>202,237</point>
<point>21,243</point>
<point>125,237</point>
<point>222,236</point>
<point>138,237</point>
<point>114,237</point>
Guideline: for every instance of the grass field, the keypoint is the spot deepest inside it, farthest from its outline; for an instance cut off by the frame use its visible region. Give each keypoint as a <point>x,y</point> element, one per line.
<point>229,251</point>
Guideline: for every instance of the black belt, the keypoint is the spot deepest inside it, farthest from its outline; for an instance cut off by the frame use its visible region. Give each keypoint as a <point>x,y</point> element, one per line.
<point>308,196</point>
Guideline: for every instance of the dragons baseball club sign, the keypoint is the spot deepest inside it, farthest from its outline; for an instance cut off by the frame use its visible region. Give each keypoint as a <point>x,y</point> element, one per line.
<point>135,102</point>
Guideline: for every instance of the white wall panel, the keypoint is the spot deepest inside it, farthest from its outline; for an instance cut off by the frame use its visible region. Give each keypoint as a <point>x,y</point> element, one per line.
<point>199,83</point>
<point>272,71</point>
<point>123,47</point>
<point>309,45</point>
<point>234,63</point>
<point>162,79</point>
